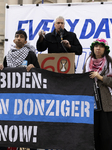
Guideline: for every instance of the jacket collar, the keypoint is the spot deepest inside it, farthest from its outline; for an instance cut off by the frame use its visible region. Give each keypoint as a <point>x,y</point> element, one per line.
<point>54,33</point>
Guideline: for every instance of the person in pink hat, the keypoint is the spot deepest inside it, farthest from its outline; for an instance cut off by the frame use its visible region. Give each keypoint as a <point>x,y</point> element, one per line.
<point>99,64</point>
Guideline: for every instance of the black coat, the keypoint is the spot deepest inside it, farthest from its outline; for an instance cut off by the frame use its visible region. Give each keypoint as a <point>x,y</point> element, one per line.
<point>52,41</point>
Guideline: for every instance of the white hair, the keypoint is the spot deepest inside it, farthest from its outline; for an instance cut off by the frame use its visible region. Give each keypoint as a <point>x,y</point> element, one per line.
<point>59,17</point>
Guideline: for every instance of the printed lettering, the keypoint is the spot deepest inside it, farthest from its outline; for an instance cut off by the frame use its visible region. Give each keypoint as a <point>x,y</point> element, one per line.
<point>21,133</point>
<point>24,80</point>
<point>4,106</point>
<point>104,23</point>
<point>39,107</point>
<point>89,27</point>
<point>50,108</point>
<point>85,27</point>
<point>72,25</point>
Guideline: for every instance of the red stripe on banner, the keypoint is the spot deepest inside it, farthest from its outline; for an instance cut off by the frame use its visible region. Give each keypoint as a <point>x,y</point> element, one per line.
<point>12,148</point>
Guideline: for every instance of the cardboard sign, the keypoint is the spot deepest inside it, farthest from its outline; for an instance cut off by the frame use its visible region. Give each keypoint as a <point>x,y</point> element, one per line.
<point>58,62</point>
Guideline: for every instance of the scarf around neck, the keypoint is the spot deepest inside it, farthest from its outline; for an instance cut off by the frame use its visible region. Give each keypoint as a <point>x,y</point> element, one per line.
<point>97,64</point>
<point>15,57</point>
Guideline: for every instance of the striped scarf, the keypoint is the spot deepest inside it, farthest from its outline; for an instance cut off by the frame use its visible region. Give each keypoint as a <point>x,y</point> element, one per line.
<point>97,64</point>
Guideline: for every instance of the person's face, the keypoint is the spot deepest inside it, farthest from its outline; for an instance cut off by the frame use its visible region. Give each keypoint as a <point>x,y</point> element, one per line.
<point>99,50</point>
<point>19,40</point>
<point>59,24</point>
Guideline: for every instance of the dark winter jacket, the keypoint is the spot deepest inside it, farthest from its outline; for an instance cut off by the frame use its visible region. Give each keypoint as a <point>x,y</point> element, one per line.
<point>52,41</point>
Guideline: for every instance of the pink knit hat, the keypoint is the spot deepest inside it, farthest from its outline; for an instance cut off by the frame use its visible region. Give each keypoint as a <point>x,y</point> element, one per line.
<point>100,41</point>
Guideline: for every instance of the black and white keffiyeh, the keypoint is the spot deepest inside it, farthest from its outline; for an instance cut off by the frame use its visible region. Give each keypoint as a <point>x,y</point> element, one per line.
<point>15,57</point>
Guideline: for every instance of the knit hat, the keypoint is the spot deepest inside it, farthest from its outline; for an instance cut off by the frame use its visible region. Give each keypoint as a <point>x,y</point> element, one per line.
<point>100,41</point>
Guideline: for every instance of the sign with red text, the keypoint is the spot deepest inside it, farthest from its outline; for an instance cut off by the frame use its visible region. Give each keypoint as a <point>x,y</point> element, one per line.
<point>58,62</point>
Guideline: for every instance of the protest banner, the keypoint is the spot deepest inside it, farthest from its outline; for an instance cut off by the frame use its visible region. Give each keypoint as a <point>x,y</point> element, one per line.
<point>44,109</point>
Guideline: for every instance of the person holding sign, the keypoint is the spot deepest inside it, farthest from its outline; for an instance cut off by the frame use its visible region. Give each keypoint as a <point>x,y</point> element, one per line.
<point>22,54</point>
<point>99,64</point>
<point>60,40</point>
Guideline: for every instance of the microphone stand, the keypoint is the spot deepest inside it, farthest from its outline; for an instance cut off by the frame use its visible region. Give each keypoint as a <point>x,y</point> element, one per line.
<point>64,47</point>
<point>61,36</point>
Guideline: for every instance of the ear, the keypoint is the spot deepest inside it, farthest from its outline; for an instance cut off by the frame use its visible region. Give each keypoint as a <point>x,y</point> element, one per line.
<point>14,41</point>
<point>25,42</point>
<point>54,24</point>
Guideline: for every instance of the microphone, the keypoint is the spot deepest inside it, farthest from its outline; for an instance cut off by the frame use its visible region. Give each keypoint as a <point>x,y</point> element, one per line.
<point>61,34</point>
